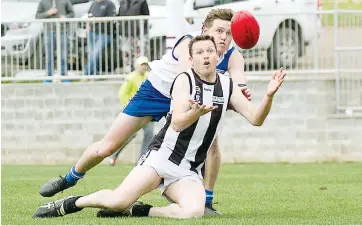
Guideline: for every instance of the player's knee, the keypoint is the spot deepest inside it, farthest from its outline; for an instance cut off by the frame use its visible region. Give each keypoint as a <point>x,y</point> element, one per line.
<point>193,212</point>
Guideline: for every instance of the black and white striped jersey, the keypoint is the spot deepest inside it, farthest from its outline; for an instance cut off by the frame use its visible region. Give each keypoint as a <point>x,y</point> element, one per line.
<point>189,147</point>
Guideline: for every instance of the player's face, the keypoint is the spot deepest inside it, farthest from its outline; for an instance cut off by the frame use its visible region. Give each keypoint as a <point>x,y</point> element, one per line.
<point>204,57</point>
<point>221,31</point>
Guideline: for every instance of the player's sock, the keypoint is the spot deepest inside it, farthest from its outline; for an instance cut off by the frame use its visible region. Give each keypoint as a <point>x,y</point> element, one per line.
<point>209,196</point>
<point>69,205</point>
<point>73,176</point>
<point>141,210</point>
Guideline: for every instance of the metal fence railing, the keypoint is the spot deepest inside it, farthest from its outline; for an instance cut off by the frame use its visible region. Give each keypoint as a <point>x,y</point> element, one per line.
<point>97,46</point>
<point>348,60</point>
<point>325,42</point>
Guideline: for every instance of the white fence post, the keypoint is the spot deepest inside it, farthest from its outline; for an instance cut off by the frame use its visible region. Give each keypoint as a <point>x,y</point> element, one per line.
<point>59,52</point>
<point>142,37</point>
<point>336,56</point>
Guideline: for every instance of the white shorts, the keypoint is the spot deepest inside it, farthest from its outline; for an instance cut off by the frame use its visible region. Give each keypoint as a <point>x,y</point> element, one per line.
<point>167,170</point>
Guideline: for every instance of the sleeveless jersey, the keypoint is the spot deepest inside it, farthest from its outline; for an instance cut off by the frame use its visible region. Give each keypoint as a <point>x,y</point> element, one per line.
<point>189,147</point>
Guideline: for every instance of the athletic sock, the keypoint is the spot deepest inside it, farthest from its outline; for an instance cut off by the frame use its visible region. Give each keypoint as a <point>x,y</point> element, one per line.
<point>73,176</point>
<point>209,196</point>
<point>141,210</point>
<point>69,205</point>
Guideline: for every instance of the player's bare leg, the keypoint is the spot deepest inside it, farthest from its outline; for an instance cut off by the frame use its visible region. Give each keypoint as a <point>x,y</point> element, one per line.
<point>212,167</point>
<point>141,180</point>
<point>189,198</point>
<point>122,128</point>
<point>113,158</point>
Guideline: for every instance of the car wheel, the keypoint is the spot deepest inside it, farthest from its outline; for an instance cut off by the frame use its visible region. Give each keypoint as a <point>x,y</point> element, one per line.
<point>285,48</point>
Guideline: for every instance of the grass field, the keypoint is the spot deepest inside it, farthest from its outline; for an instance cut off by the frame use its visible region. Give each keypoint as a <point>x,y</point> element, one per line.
<point>328,193</point>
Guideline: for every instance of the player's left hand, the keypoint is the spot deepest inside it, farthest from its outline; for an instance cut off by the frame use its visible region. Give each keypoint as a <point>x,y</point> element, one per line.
<point>276,82</point>
<point>246,92</point>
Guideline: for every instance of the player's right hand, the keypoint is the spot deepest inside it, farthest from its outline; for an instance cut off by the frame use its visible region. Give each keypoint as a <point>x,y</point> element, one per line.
<point>201,109</point>
<point>277,80</point>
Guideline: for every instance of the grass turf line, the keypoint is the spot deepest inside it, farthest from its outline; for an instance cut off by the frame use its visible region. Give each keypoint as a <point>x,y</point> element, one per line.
<point>328,193</point>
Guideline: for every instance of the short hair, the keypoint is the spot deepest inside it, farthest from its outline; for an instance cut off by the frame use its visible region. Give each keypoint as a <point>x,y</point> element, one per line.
<point>199,38</point>
<point>222,14</point>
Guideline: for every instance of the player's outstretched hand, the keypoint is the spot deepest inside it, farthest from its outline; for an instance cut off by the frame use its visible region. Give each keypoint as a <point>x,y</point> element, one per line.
<point>201,109</point>
<point>276,82</point>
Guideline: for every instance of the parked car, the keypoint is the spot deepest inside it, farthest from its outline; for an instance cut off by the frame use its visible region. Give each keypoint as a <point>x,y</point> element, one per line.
<point>18,38</point>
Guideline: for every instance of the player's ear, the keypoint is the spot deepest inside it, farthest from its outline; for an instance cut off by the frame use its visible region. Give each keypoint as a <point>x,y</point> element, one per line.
<point>217,55</point>
<point>191,60</point>
<point>203,29</point>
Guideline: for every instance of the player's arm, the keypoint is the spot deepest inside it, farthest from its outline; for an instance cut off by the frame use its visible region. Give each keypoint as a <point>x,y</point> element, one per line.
<point>236,71</point>
<point>253,114</point>
<point>185,111</point>
<point>181,52</point>
<point>124,92</point>
<point>257,115</point>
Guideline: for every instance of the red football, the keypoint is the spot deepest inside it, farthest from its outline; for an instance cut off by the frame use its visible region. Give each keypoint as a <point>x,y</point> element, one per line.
<point>245,29</point>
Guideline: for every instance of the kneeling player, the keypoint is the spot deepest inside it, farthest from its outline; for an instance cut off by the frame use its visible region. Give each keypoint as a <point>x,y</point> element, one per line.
<point>200,98</point>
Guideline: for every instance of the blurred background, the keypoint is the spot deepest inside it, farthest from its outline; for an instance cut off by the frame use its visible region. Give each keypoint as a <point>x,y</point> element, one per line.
<point>56,103</point>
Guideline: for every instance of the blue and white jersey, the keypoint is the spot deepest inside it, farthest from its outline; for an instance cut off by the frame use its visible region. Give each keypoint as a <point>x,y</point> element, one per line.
<point>164,71</point>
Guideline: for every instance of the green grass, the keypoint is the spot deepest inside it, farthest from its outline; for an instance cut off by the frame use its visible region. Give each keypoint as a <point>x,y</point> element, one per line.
<point>329,193</point>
